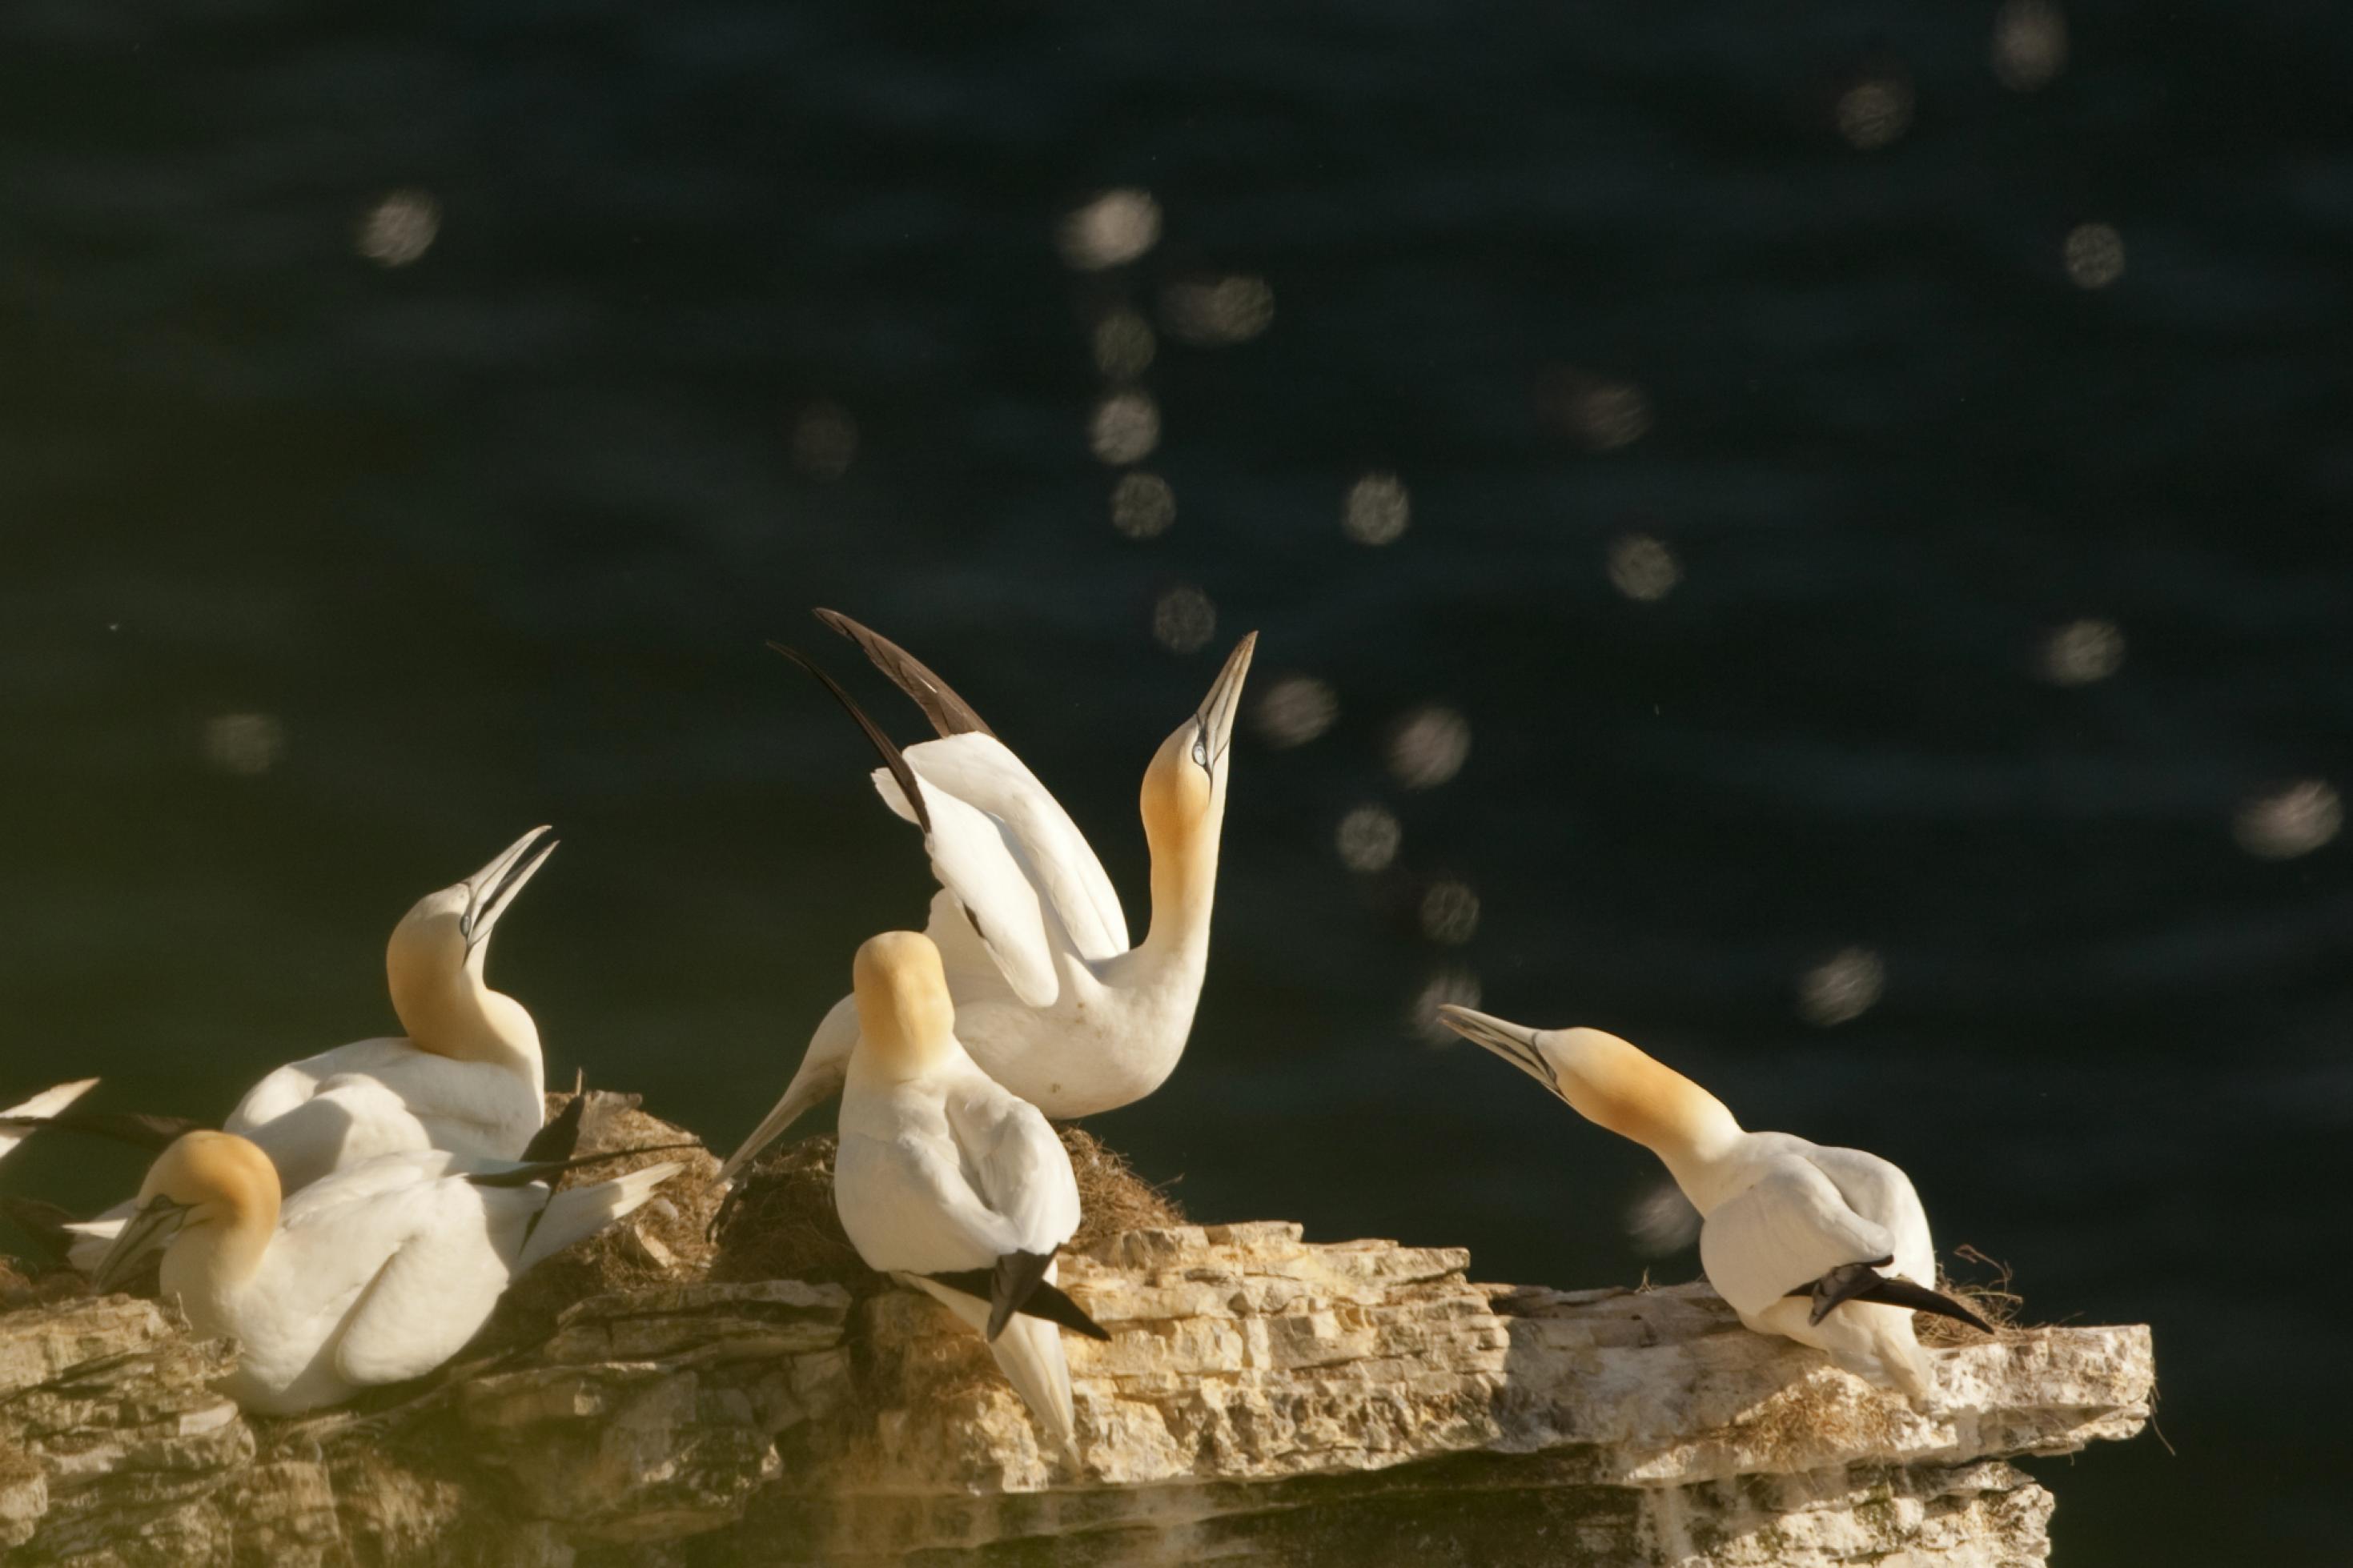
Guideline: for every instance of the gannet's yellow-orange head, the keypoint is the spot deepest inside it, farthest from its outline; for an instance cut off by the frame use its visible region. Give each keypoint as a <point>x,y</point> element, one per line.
<point>434,962</point>
<point>213,1185</point>
<point>906,1021</point>
<point>1184,797</point>
<point>1608,1082</point>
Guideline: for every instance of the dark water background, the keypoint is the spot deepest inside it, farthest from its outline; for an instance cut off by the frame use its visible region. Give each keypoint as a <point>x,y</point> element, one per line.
<point>324,578</point>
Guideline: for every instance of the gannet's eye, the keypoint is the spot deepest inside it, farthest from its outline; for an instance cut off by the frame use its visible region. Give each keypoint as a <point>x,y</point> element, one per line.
<point>1201,747</point>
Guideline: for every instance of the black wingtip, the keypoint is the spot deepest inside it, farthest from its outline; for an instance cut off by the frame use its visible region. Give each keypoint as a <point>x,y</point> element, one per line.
<point>949,713</point>
<point>891,757</point>
<point>522,1174</point>
<point>560,1139</point>
<point>138,1129</point>
<point>1920,1299</point>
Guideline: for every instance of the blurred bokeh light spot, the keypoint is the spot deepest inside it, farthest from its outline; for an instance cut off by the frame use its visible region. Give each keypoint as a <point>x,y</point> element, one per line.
<point>1123,345</point>
<point>1378,510</point>
<point>1294,709</point>
<point>1872,114</point>
<point>400,228</point>
<point>2290,822</point>
<point>2030,43</point>
<point>1184,620</point>
<point>1218,312</point>
<point>1111,230</point>
<point>248,744</point>
<point>1841,988</point>
<point>824,441</point>
<point>2082,652</point>
<point>1368,839</point>
<point>2095,255</point>
<point>1429,746</point>
<point>1125,428</point>
<point>1662,1221</point>
<point>1142,505</point>
<point>1453,984</point>
<point>1641,567</point>
<point>1450,913</point>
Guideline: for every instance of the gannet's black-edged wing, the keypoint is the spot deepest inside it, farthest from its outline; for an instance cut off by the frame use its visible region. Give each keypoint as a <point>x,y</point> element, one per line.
<point>949,714</point>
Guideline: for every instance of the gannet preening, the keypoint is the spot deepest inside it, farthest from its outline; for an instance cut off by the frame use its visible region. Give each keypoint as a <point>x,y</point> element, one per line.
<point>467,1078</point>
<point>20,1122</point>
<point>375,1273</point>
<point>1052,998</point>
<point>949,1183</point>
<point>1826,1246</point>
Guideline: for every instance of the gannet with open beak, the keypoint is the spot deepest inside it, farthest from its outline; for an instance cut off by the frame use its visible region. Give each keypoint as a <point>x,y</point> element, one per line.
<point>20,1122</point>
<point>950,1184</point>
<point>467,1078</point>
<point>373,1274</point>
<point>1827,1247</point>
<point>1050,996</point>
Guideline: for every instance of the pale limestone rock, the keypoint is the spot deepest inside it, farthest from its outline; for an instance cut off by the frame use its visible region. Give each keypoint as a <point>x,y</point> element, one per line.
<point>1262,1400</point>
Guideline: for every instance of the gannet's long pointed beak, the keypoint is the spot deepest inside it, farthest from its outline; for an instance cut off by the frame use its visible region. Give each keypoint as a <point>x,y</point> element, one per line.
<point>151,1227</point>
<point>1218,710</point>
<point>799,1097</point>
<point>1515,1043</point>
<point>490,890</point>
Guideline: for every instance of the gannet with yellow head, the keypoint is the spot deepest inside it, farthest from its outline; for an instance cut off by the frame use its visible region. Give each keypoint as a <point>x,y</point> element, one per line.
<point>1052,998</point>
<point>1826,1246</point>
<point>467,1078</point>
<point>375,1273</point>
<point>951,1185</point>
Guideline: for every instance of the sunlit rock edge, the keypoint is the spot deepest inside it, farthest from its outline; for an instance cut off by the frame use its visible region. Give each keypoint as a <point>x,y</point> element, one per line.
<point>1262,1398</point>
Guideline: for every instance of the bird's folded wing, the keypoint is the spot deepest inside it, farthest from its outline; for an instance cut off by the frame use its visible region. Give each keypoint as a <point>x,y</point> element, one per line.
<point>907,1205</point>
<point>1017,1164</point>
<point>980,770</point>
<point>440,1270</point>
<point>1882,1192</point>
<point>978,860</point>
<point>1788,1230</point>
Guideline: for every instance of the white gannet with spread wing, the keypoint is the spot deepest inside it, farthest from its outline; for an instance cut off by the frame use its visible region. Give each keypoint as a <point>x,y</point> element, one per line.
<point>951,1183</point>
<point>1051,997</point>
<point>1826,1246</point>
<point>467,1078</point>
<point>18,1122</point>
<point>377,1273</point>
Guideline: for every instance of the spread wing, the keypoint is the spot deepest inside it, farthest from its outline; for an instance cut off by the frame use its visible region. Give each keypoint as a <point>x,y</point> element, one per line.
<point>1789,1230</point>
<point>979,769</point>
<point>977,859</point>
<point>46,1103</point>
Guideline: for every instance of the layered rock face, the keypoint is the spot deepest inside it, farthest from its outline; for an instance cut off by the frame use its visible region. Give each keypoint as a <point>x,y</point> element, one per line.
<point>1263,1399</point>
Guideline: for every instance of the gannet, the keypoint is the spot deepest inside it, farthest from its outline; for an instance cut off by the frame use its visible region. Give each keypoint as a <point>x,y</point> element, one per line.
<point>467,1078</point>
<point>1052,998</point>
<point>375,1273</point>
<point>20,1122</point>
<point>1826,1246</point>
<point>950,1184</point>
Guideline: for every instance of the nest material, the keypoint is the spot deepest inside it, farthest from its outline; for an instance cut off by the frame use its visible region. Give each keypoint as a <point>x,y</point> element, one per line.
<point>1996,1302</point>
<point>664,1241</point>
<point>782,1226</point>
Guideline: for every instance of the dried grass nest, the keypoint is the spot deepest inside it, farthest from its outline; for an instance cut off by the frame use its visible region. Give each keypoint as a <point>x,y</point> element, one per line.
<point>1996,1302</point>
<point>780,1224</point>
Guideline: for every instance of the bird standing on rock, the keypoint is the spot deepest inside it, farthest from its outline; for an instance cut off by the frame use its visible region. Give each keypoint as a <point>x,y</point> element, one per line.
<point>1052,998</point>
<point>951,1185</point>
<point>1827,1247</point>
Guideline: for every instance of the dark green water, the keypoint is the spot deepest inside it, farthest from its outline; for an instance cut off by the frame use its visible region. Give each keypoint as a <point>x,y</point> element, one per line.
<point>324,578</point>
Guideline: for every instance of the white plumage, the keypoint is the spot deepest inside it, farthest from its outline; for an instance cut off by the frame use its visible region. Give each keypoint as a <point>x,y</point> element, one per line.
<point>1053,999</point>
<point>1841,1229</point>
<point>941,1171</point>
<point>467,1078</point>
<point>39,1108</point>
<point>375,1273</point>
